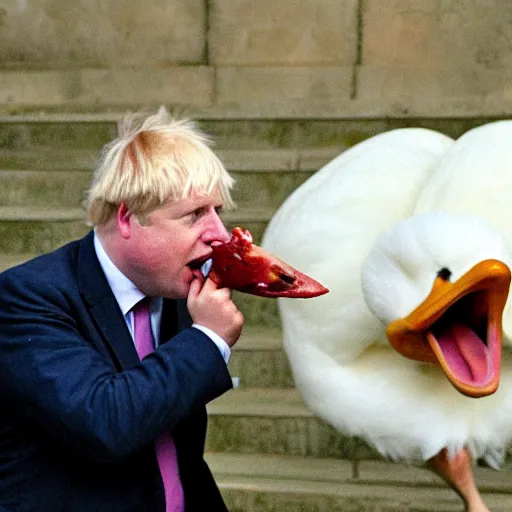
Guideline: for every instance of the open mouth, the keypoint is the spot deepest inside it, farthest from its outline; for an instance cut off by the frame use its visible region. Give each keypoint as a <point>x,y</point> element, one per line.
<point>466,340</point>
<point>198,262</point>
<point>458,326</point>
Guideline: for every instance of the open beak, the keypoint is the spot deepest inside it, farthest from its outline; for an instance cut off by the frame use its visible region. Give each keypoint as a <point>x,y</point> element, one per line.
<point>459,327</point>
<point>241,265</point>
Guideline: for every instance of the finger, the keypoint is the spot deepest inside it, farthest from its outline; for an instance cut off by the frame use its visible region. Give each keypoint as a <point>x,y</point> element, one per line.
<point>197,273</point>
<point>223,293</point>
<point>195,287</point>
<point>209,285</point>
<point>216,287</point>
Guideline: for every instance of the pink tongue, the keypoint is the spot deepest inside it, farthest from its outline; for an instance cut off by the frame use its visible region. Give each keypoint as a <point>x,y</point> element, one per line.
<point>466,354</point>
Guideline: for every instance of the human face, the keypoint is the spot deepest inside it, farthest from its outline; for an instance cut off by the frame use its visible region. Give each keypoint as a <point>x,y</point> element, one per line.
<point>161,254</point>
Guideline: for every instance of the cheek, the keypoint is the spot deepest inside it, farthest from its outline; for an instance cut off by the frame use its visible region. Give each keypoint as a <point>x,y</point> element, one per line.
<point>150,252</point>
<point>168,254</point>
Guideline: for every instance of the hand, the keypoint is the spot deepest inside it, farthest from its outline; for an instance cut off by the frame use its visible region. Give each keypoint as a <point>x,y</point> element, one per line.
<point>212,307</point>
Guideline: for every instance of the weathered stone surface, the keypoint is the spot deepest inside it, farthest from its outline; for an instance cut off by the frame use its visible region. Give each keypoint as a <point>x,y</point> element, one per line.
<point>267,92</point>
<point>249,495</point>
<point>291,59</point>
<point>38,236</point>
<point>433,92</point>
<point>276,421</point>
<point>257,311</point>
<point>103,88</point>
<point>258,482</point>
<point>292,436</point>
<point>365,92</point>
<point>266,189</point>
<point>42,34</point>
<point>251,133</point>
<point>283,91</point>
<point>437,34</point>
<point>67,187</point>
<point>267,32</point>
<point>48,159</point>
<point>27,135</point>
<point>43,188</point>
<point>261,368</point>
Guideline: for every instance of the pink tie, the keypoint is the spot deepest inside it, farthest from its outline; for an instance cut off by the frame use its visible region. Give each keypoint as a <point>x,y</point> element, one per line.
<point>165,449</point>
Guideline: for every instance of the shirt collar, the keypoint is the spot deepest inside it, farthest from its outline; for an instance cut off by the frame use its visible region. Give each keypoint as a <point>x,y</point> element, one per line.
<point>125,292</point>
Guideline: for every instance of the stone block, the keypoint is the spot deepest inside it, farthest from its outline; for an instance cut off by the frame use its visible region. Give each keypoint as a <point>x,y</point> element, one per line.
<point>261,368</point>
<point>282,91</point>
<point>98,89</point>
<point>296,32</point>
<point>251,133</point>
<point>248,495</point>
<point>51,34</point>
<point>38,236</point>
<point>69,135</point>
<point>45,189</point>
<point>48,159</point>
<point>433,92</point>
<point>268,189</point>
<point>437,34</point>
<point>282,435</point>
<point>258,311</point>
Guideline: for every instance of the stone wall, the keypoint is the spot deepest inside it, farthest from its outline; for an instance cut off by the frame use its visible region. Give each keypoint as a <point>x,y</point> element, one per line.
<point>265,58</point>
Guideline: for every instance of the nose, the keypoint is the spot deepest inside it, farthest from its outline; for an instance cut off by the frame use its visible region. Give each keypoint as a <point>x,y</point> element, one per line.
<point>215,230</point>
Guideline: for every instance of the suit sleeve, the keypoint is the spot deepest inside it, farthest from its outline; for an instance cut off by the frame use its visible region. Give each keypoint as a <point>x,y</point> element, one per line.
<point>53,375</point>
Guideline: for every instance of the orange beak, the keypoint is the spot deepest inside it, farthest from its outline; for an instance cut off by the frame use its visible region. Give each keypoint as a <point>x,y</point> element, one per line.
<point>459,327</point>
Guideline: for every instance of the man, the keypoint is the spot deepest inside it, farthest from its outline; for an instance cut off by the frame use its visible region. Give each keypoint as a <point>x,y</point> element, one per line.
<point>91,418</point>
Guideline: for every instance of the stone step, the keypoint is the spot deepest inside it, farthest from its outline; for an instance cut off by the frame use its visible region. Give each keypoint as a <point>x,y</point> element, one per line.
<point>93,130</point>
<point>323,88</point>
<point>59,188</point>
<point>43,189</point>
<point>56,132</point>
<point>39,230</point>
<point>271,483</point>
<point>44,159</point>
<point>308,159</point>
<point>276,421</point>
<point>258,311</point>
<point>258,359</point>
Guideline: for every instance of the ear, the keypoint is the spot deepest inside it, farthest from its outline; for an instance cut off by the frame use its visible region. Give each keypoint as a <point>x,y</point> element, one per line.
<point>124,219</point>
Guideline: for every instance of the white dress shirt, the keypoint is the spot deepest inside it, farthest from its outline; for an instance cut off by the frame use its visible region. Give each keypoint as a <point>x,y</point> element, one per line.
<point>127,295</point>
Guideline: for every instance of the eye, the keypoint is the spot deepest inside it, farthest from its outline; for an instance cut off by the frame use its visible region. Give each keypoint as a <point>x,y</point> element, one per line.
<point>218,209</point>
<point>444,274</point>
<point>194,215</point>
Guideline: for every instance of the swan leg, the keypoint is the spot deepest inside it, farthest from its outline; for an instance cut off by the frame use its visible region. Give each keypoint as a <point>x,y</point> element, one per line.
<point>458,472</point>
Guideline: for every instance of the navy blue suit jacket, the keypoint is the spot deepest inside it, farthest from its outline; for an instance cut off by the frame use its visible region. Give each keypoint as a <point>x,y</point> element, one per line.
<point>78,412</point>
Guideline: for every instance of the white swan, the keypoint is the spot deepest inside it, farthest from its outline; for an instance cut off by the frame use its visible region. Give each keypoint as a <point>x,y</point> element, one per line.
<point>390,226</point>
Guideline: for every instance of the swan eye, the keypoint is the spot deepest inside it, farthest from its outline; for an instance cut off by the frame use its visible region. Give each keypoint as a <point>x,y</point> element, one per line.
<point>444,274</point>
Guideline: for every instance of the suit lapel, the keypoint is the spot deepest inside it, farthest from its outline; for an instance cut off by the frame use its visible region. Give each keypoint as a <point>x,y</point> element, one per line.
<point>103,306</point>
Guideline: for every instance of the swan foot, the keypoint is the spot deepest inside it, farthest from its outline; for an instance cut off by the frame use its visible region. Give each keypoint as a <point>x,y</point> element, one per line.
<point>458,473</point>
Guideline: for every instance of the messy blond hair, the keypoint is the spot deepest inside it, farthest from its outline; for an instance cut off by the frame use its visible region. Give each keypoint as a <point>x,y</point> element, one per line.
<point>154,161</point>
